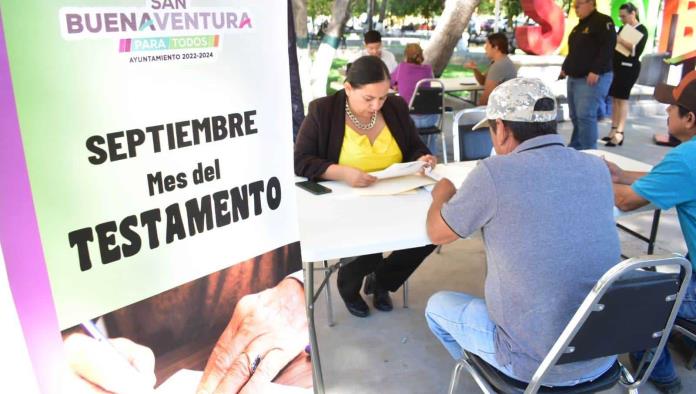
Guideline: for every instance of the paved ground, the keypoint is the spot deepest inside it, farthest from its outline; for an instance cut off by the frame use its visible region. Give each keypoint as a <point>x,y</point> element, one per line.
<point>395,352</point>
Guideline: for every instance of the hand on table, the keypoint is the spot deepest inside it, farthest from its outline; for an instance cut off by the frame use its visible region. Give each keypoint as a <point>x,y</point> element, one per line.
<point>266,332</point>
<point>357,178</point>
<point>592,79</point>
<point>97,367</point>
<point>615,171</point>
<point>430,160</point>
<point>444,190</point>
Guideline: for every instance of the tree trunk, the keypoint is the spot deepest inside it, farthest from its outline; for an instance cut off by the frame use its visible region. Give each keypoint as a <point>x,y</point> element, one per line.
<point>370,14</point>
<point>455,18</point>
<point>340,12</point>
<point>295,81</point>
<point>299,9</point>
<point>382,12</point>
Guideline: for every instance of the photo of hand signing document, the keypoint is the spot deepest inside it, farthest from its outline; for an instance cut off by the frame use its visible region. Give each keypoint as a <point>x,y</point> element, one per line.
<point>239,330</point>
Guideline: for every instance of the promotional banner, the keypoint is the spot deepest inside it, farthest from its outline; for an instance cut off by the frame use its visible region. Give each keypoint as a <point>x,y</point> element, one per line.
<point>12,341</point>
<point>678,26</point>
<point>157,139</point>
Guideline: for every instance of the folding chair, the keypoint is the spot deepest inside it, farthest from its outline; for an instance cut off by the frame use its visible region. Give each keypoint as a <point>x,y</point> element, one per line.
<point>470,144</point>
<point>629,309</point>
<point>429,99</point>
<point>688,329</point>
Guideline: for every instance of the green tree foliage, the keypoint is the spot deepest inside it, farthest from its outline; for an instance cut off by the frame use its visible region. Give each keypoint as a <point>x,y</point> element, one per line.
<point>512,8</point>
<point>318,7</point>
<point>508,8</point>
<point>426,8</point>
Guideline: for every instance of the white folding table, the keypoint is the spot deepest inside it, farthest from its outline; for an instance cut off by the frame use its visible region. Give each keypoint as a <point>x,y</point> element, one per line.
<point>345,224</point>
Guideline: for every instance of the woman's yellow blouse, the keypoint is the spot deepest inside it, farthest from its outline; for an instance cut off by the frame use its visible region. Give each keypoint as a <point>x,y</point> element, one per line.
<point>357,152</point>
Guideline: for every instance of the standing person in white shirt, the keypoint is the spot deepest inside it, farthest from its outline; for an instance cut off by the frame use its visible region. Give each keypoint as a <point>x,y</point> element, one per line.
<point>373,47</point>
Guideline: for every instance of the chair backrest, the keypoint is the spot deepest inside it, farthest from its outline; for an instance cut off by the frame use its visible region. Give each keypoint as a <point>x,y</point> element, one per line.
<point>428,98</point>
<point>653,69</point>
<point>470,144</point>
<point>629,309</point>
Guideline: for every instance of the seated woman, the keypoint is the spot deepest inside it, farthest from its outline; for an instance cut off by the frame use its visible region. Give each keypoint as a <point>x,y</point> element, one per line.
<point>346,135</point>
<point>404,79</point>
<point>501,69</point>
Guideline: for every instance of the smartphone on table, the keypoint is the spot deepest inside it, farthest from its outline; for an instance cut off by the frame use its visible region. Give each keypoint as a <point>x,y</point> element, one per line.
<point>313,187</point>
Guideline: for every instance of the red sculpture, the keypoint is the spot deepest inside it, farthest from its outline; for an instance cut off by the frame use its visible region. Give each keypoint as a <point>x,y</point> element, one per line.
<point>545,38</point>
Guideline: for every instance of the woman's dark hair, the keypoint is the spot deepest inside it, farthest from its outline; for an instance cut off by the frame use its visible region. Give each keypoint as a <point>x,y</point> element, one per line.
<point>500,41</point>
<point>629,7</point>
<point>367,70</point>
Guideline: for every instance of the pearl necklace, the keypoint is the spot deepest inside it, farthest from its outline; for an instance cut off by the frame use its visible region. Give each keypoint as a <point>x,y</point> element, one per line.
<point>357,122</point>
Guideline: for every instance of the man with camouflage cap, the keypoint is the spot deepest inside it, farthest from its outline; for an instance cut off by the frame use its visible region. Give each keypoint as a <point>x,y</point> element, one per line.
<point>539,205</point>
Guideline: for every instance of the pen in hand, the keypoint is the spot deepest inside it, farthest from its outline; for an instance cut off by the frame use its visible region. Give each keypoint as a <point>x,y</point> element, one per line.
<point>127,366</point>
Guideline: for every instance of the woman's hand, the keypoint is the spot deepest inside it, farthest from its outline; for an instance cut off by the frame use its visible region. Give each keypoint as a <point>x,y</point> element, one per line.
<point>471,65</point>
<point>430,160</point>
<point>357,178</point>
<point>625,43</point>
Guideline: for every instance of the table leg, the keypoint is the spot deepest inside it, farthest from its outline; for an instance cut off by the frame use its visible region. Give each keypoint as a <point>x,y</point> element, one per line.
<point>650,240</point>
<point>653,231</point>
<point>317,377</point>
<point>329,304</point>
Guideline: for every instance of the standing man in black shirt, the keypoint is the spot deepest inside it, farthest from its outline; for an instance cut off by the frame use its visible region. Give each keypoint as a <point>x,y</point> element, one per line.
<point>588,67</point>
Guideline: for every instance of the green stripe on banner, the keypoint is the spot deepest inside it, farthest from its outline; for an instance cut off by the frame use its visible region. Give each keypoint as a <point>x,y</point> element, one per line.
<point>333,41</point>
<point>681,58</point>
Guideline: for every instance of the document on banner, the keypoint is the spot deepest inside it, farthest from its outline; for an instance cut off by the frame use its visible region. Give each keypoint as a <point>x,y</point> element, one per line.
<point>629,34</point>
<point>399,169</point>
<point>185,381</point>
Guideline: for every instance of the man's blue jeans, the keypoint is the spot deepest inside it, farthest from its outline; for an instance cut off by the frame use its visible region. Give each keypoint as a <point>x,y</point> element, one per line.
<point>461,321</point>
<point>583,103</point>
<point>664,371</point>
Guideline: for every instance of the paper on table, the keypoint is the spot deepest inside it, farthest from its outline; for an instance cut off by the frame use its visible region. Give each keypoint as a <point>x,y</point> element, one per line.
<point>630,34</point>
<point>456,173</point>
<point>388,187</point>
<point>399,169</point>
<point>184,381</point>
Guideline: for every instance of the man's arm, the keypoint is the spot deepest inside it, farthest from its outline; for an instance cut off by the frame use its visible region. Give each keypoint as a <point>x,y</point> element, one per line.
<point>626,199</point>
<point>480,77</point>
<point>621,176</point>
<point>438,231</point>
<point>487,90</point>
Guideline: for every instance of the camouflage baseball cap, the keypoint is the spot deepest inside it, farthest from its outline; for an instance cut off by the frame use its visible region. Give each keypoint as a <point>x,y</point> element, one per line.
<point>515,100</point>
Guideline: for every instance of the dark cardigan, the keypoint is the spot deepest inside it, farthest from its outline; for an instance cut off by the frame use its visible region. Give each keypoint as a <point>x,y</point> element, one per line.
<point>320,138</point>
